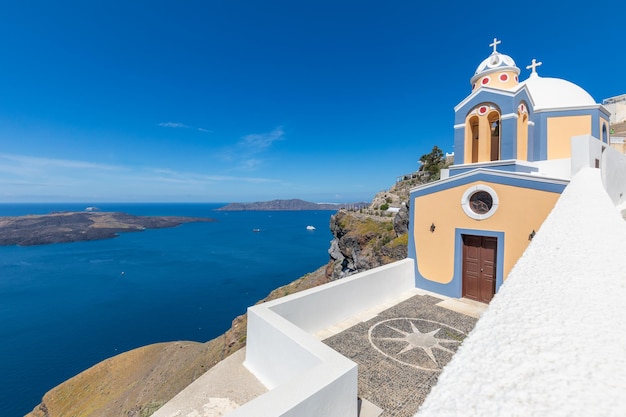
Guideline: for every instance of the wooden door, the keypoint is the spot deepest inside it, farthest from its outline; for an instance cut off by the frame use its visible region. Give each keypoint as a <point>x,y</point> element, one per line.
<point>479,267</point>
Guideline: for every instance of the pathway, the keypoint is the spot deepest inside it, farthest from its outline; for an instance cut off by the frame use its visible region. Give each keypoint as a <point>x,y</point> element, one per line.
<point>401,351</point>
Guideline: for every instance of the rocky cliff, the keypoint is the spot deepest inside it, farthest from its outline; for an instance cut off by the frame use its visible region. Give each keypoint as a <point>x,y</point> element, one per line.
<point>370,237</point>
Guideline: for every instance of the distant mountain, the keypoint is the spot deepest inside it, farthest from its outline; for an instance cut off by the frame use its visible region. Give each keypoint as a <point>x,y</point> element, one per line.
<point>289,205</point>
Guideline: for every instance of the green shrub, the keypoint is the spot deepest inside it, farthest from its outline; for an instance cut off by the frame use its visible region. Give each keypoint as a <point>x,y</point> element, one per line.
<point>400,240</point>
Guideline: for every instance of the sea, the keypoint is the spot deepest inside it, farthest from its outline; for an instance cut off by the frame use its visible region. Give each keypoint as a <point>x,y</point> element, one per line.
<point>67,306</point>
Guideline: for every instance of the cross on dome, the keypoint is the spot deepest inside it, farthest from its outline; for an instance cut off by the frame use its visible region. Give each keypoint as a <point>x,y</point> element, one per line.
<point>495,43</point>
<point>533,66</point>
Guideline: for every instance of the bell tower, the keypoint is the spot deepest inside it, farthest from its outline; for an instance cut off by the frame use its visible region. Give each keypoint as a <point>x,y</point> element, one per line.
<point>483,122</point>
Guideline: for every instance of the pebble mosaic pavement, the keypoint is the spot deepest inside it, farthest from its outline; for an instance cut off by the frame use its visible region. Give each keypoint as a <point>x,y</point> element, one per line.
<point>401,352</point>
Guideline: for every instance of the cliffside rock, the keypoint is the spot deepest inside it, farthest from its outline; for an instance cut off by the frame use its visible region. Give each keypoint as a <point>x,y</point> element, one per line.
<point>362,242</point>
<point>401,220</point>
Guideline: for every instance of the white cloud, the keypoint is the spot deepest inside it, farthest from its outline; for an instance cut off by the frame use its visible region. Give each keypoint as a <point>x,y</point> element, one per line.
<point>27,177</point>
<point>174,125</point>
<point>169,175</point>
<point>34,162</point>
<point>246,154</point>
<point>257,142</point>
<point>250,164</point>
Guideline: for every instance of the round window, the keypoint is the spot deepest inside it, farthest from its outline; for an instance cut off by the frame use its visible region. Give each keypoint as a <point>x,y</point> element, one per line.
<point>479,202</point>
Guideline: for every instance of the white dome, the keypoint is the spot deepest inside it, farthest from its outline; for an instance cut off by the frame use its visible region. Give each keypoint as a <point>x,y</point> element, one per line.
<point>496,62</point>
<point>550,93</point>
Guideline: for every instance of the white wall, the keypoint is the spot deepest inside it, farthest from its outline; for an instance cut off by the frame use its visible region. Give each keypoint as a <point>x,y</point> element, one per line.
<point>323,306</point>
<point>555,168</point>
<point>276,350</point>
<point>585,150</point>
<point>614,174</point>
<point>306,378</point>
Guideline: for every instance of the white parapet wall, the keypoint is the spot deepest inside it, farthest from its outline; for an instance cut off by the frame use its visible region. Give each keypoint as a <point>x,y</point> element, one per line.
<point>555,168</point>
<point>323,306</point>
<point>305,377</point>
<point>586,152</point>
<point>552,342</point>
<point>614,174</point>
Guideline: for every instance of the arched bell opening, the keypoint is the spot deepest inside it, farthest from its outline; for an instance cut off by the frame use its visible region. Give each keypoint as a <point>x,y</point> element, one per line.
<point>472,135</point>
<point>482,134</point>
<point>494,135</point>
<point>522,132</point>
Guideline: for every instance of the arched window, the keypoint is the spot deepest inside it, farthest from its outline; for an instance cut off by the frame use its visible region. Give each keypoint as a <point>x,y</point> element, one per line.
<point>474,134</point>
<point>494,129</point>
<point>605,135</point>
<point>482,134</point>
<point>522,131</point>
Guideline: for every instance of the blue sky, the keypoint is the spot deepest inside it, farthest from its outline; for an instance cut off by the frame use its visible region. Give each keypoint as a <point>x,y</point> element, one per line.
<point>230,100</point>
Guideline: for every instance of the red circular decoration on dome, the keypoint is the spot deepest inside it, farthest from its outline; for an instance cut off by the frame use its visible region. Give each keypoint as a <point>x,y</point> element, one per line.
<point>504,77</point>
<point>482,109</point>
<point>516,78</point>
<point>484,81</point>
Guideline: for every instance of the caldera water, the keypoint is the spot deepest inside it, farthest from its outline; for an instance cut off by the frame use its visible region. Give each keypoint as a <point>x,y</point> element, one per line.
<point>65,307</point>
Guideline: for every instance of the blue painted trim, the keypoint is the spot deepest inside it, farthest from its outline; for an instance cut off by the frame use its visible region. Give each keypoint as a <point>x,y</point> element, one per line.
<point>508,138</point>
<point>459,146</point>
<point>506,103</point>
<point>457,281</point>
<point>595,127</point>
<point>428,285</point>
<point>491,177</point>
<point>455,287</point>
<point>411,246</point>
<point>540,137</point>
<point>512,167</point>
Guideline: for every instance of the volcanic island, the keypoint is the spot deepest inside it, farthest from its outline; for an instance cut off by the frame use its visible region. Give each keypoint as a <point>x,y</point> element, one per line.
<point>62,227</point>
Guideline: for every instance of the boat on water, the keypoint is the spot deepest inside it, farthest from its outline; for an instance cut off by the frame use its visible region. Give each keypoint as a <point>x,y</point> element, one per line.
<point>256,230</point>
<point>310,228</point>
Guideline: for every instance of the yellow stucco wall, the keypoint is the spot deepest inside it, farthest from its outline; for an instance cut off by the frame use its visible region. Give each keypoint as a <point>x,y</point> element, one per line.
<point>520,211</point>
<point>522,137</point>
<point>561,129</point>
